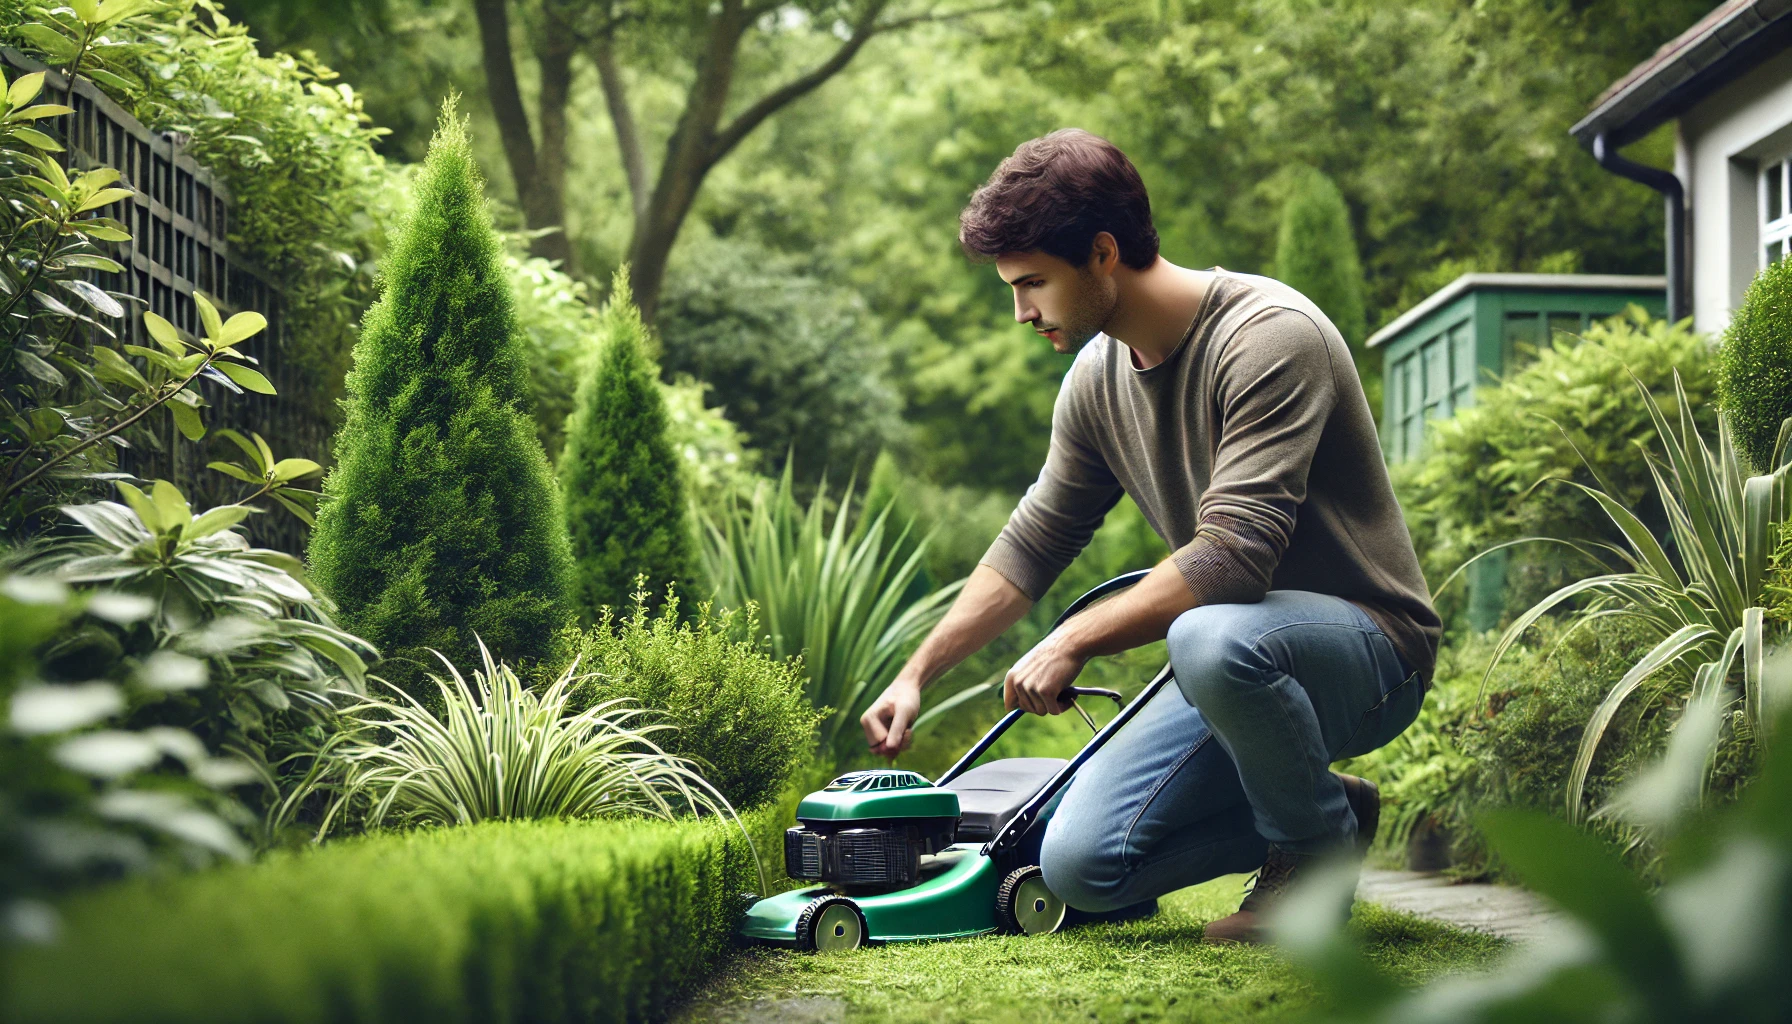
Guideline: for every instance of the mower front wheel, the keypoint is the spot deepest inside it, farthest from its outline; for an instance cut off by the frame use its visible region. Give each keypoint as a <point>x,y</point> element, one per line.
<point>1024,905</point>
<point>830,924</point>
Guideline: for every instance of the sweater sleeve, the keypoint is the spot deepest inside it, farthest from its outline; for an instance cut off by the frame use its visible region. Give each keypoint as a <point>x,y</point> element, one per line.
<point>1274,390</point>
<point>1062,509</point>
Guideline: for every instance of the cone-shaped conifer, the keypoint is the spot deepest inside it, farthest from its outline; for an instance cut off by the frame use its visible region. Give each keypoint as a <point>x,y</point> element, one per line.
<point>441,519</point>
<point>625,503</point>
<point>1316,253</point>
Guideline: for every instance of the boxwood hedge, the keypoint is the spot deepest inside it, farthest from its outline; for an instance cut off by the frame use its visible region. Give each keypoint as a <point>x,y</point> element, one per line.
<point>512,921</point>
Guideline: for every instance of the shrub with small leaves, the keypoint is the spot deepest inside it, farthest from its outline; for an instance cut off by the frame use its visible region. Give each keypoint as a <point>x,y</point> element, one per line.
<point>739,710</point>
<point>1754,364</point>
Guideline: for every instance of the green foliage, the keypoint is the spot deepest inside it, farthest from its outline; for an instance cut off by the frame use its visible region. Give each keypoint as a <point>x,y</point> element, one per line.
<point>1316,253</point>
<point>86,790</point>
<point>1754,364</point>
<point>1710,944</point>
<point>498,751</point>
<point>738,712</point>
<point>1505,467</point>
<point>443,519</point>
<point>619,476</point>
<point>794,363</point>
<point>536,921</point>
<point>1704,610</point>
<point>838,594</point>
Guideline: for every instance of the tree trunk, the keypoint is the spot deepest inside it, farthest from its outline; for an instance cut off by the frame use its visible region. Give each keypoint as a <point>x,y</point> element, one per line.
<point>539,177</point>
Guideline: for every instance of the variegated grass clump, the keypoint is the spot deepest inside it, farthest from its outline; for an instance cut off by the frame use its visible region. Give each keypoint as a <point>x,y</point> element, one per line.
<point>1705,603</point>
<point>500,751</point>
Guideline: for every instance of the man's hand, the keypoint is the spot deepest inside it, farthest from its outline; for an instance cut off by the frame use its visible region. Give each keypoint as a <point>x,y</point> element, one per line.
<point>887,723</point>
<point>1036,680</point>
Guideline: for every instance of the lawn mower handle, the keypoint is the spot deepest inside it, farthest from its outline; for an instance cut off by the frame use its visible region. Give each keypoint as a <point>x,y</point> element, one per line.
<point>989,739</point>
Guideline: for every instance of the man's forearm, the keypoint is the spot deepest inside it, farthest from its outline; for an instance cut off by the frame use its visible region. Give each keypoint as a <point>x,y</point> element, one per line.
<point>1137,616</point>
<point>984,610</point>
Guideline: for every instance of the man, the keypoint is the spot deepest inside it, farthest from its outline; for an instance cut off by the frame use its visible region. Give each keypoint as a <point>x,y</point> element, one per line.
<point>1300,628</point>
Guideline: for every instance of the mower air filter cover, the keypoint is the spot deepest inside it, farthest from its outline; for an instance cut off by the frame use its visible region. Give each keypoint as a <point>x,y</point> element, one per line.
<point>870,829</point>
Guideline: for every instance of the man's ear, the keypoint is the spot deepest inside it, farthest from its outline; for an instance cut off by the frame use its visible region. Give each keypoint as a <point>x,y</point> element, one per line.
<point>1104,253</point>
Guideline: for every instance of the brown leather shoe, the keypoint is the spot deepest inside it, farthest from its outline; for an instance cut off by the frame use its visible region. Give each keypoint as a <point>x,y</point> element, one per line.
<point>1365,802</point>
<point>1278,873</point>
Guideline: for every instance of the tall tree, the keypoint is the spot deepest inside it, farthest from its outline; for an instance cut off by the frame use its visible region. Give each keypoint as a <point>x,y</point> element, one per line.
<point>441,519</point>
<point>1316,253</point>
<point>711,37</point>
<point>625,503</point>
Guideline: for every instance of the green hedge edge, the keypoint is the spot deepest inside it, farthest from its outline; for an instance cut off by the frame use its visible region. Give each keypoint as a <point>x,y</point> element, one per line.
<point>508,921</point>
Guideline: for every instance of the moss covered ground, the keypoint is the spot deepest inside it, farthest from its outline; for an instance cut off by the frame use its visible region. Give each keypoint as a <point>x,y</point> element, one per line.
<point>1150,970</point>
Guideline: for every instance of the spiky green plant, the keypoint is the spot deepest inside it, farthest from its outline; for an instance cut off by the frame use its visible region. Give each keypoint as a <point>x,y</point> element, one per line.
<point>830,588</point>
<point>621,481</point>
<point>1707,610</point>
<point>500,751</point>
<point>442,517</point>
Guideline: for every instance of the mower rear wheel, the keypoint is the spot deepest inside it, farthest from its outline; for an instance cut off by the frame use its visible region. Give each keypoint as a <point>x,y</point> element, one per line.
<point>1025,906</point>
<point>830,924</point>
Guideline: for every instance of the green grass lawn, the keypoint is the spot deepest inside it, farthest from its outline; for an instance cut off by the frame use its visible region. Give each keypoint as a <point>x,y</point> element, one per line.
<point>1151,970</point>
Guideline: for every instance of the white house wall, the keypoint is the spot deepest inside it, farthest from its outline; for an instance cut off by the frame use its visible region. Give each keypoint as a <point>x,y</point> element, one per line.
<point>1720,141</point>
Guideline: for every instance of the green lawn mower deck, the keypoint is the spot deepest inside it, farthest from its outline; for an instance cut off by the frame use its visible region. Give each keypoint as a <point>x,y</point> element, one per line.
<point>897,858</point>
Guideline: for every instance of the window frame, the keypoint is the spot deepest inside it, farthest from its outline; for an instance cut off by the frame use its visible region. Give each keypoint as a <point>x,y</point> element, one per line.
<point>1772,230</point>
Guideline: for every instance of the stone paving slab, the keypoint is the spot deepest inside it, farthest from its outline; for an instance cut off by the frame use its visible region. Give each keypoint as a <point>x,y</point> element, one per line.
<point>1501,910</point>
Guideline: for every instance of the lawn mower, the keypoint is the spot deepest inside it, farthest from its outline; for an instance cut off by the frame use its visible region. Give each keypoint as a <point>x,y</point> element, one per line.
<point>901,859</point>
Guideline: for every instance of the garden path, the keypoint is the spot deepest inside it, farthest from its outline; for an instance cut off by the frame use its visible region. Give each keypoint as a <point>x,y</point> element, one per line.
<point>1502,910</point>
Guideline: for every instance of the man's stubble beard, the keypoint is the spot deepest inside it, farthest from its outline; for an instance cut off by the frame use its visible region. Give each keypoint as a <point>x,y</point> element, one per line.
<point>1081,329</point>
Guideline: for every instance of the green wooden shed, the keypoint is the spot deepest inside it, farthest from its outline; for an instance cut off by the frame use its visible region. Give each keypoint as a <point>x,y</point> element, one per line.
<point>1468,332</point>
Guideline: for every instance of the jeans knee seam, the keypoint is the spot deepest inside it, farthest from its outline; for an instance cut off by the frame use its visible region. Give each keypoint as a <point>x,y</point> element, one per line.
<point>1126,857</point>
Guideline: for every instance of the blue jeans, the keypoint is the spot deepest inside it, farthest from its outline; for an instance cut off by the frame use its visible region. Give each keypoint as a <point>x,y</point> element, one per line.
<point>1236,755</point>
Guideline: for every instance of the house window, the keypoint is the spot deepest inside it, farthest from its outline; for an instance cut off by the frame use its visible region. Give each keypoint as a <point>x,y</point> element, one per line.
<point>1776,212</point>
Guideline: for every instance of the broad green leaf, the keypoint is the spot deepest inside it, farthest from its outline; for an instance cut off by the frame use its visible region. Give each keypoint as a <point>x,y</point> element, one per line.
<point>231,469</point>
<point>141,504</point>
<point>1577,873</point>
<point>48,40</point>
<point>252,450</point>
<point>97,178</point>
<point>41,111</point>
<point>88,261</point>
<point>105,197</point>
<point>244,325</point>
<point>34,365</point>
<point>292,469</point>
<point>156,356</point>
<point>171,503</point>
<point>208,315</point>
<point>24,89</point>
<point>266,452</point>
<point>164,334</point>
<point>87,10</point>
<point>114,11</point>
<point>103,232</point>
<point>221,518</point>
<point>251,380</point>
<point>187,420</point>
<point>111,365</point>
<point>33,137</point>
<point>112,81</point>
<point>296,509</point>
<point>53,171</point>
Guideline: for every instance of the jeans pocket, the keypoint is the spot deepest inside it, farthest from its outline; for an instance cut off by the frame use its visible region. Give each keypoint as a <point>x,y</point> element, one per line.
<point>1397,709</point>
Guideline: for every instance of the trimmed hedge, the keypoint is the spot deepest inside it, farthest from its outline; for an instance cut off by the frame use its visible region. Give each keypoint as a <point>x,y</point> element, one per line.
<point>512,921</point>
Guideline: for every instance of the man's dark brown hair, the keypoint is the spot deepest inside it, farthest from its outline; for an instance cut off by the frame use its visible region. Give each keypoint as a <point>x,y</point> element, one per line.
<point>1054,195</point>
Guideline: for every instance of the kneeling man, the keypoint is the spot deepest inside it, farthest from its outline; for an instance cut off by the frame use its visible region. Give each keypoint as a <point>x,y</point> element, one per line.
<point>1299,625</point>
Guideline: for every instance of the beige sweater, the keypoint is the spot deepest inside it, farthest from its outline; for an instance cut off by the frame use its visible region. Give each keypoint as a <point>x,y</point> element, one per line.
<point>1250,451</point>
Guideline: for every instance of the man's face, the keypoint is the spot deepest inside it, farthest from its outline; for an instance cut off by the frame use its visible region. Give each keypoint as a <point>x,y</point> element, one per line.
<point>1065,303</point>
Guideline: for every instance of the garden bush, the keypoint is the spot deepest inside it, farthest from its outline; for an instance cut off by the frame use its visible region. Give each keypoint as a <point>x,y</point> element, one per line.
<point>505,921</point>
<point>441,517</point>
<point>619,477</point>
<point>736,709</point>
<point>1754,364</point>
<point>1490,472</point>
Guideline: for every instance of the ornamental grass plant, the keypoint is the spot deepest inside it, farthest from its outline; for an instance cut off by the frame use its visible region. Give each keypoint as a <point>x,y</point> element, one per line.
<point>499,751</point>
<point>830,587</point>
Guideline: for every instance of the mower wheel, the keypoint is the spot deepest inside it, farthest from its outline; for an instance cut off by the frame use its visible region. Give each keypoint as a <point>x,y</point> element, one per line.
<point>1024,905</point>
<point>830,924</point>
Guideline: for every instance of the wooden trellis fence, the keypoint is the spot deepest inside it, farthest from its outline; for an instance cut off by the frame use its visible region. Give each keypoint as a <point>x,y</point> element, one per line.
<point>179,221</point>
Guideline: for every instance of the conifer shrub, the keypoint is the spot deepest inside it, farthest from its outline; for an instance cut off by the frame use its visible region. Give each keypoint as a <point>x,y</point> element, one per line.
<point>441,519</point>
<point>738,710</point>
<point>623,488</point>
<point>1754,365</point>
<point>1316,253</point>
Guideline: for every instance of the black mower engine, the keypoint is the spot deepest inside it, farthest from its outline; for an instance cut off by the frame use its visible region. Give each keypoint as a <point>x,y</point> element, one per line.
<point>870,829</point>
